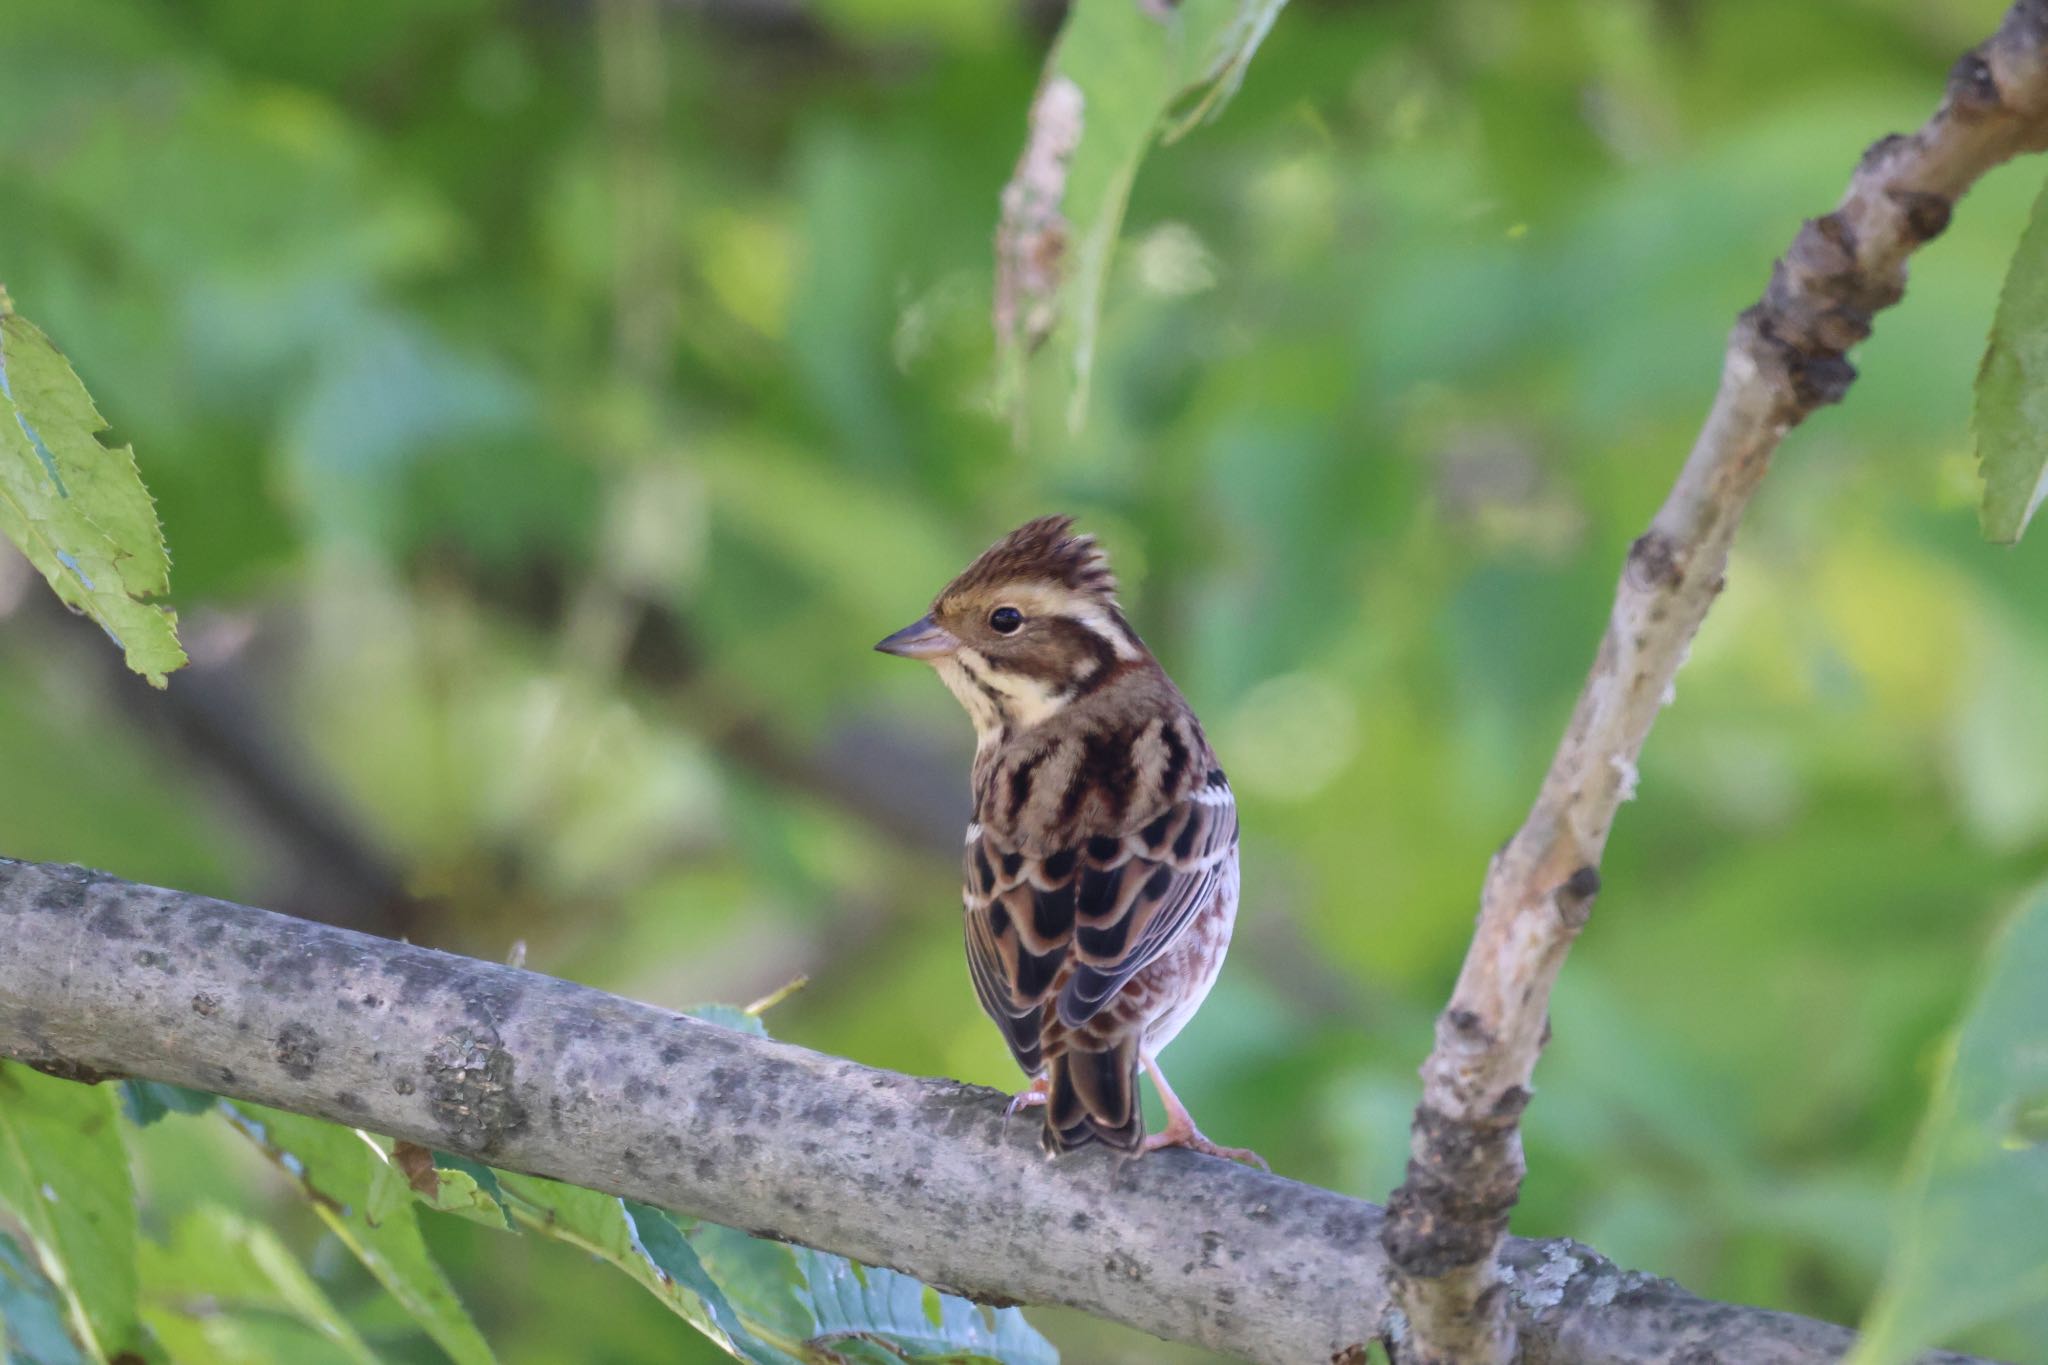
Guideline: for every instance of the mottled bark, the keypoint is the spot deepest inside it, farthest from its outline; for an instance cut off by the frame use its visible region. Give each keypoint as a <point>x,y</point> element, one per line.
<point>1785,358</point>
<point>101,977</point>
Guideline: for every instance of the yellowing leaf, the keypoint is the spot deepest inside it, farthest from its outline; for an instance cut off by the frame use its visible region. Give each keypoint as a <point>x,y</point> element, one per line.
<point>77,508</point>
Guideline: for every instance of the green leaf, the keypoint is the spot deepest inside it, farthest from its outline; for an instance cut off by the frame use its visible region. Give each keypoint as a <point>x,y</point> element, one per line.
<point>729,1016</point>
<point>220,1283</point>
<point>1121,75</point>
<point>914,1322</point>
<point>2012,389</point>
<point>333,1167</point>
<point>1969,1248</point>
<point>758,1300</point>
<point>460,1195</point>
<point>31,1313</point>
<point>390,1196</point>
<point>658,1237</point>
<point>77,508</point>
<point>646,1245</point>
<point>759,1278</point>
<point>410,1173</point>
<point>229,1336</point>
<point>482,1178</point>
<point>64,1173</point>
<point>144,1102</point>
<point>837,1310</point>
<point>769,1303</point>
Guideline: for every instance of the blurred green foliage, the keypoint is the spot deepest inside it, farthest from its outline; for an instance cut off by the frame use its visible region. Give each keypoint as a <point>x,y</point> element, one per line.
<point>339,1172</point>
<point>1119,77</point>
<point>223,1288</point>
<point>1967,1247</point>
<point>548,403</point>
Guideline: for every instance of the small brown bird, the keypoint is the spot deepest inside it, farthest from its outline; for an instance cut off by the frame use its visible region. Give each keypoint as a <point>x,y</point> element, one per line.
<point>1102,861</point>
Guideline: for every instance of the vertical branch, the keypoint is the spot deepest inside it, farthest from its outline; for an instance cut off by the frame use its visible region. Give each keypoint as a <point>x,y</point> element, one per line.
<point>1785,358</point>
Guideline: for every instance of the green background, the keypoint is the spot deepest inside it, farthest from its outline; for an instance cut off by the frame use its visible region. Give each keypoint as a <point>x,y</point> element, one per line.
<point>549,403</point>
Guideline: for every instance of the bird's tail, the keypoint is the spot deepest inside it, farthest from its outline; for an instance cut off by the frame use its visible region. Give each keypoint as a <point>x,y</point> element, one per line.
<point>1093,1097</point>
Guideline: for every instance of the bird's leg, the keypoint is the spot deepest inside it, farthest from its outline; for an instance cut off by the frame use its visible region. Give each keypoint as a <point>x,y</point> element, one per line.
<point>1180,1130</point>
<point>1030,1097</point>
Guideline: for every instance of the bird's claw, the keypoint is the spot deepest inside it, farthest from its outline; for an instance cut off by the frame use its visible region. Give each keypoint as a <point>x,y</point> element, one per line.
<point>1192,1139</point>
<point>1027,1099</point>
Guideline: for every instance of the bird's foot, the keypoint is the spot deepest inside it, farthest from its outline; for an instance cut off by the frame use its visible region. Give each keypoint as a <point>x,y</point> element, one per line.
<point>1180,1130</point>
<point>1188,1136</point>
<point>1029,1098</point>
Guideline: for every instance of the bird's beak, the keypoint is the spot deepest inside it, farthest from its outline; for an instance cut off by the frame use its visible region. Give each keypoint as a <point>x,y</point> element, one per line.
<point>923,638</point>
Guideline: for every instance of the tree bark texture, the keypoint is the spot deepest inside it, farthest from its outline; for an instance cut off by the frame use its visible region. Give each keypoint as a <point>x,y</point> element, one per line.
<point>101,978</point>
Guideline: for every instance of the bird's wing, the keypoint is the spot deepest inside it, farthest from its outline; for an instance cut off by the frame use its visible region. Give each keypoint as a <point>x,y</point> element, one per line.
<point>1102,910</point>
<point>1017,940</point>
<point>1135,896</point>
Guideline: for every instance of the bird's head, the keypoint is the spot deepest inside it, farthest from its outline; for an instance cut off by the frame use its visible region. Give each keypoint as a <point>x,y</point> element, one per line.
<point>1027,629</point>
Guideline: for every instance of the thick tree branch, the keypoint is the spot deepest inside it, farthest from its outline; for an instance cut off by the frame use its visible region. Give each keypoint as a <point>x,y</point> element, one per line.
<point>102,977</point>
<point>1785,359</point>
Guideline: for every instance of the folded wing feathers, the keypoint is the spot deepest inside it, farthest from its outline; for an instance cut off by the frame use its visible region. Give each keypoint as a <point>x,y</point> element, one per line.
<point>1080,922</point>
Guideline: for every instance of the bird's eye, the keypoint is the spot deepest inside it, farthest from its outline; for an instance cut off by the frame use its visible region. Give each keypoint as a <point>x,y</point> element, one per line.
<point>1005,620</point>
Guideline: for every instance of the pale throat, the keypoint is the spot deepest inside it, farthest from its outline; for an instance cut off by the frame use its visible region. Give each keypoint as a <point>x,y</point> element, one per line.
<point>999,704</point>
